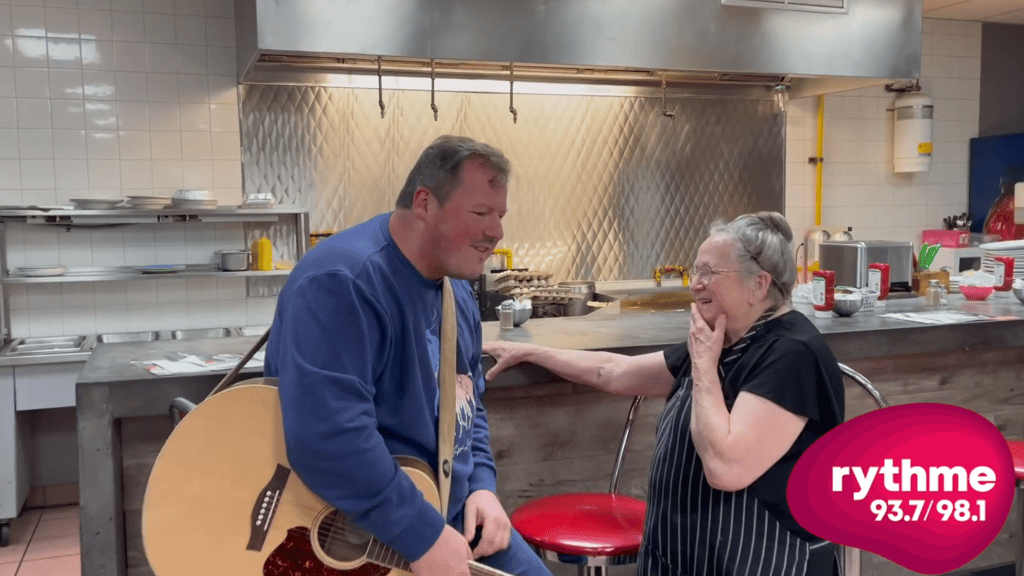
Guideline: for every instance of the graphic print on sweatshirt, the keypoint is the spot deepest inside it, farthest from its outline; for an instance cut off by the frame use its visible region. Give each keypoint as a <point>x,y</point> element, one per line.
<point>465,392</point>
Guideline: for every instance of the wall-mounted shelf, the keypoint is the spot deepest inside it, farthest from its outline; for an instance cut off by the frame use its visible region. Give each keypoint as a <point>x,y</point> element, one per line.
<point>130,275</point>
<point>125,216</point>
<point>288,226</point>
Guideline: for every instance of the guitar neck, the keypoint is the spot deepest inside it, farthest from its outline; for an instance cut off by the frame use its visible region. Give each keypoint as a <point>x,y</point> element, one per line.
<point>384,556</point>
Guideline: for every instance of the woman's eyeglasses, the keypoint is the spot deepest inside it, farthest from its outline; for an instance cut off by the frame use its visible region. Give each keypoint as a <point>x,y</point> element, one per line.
<point>705,274</point>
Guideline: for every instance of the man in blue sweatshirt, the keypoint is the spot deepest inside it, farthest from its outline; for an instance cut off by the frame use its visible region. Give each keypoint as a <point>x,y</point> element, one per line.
<point>355,344</point>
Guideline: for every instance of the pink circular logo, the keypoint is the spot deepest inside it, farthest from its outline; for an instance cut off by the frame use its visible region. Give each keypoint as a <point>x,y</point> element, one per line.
<point>928,486</point>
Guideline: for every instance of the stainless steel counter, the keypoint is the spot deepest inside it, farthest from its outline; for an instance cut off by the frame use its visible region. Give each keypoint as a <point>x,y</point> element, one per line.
<point>863,335</point>
<point>110,388</point>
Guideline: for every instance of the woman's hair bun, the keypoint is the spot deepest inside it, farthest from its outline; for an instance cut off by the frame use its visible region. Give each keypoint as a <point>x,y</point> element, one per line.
<point>778,223</point>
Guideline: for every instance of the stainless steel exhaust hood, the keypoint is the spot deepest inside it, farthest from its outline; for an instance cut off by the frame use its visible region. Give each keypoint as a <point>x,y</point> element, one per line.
<point>642,43</point>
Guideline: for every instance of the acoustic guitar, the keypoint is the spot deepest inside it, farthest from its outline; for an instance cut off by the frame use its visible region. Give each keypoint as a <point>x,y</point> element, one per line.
<point>222,499</point>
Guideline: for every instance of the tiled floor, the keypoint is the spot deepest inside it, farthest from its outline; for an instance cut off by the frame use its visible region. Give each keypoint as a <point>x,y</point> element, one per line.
<point>44,542</point>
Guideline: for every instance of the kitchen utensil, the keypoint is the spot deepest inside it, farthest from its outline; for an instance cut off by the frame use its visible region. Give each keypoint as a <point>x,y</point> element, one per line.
<point>233,260</point>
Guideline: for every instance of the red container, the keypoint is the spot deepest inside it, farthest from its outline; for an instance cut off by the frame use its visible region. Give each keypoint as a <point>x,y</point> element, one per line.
<point>823,292</point>
<point>879,281</point>
<point>1004,267</point>
<point>947,238</point>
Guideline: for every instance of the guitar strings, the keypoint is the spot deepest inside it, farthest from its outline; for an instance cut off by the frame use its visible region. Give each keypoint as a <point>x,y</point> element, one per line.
<point>379,553</point>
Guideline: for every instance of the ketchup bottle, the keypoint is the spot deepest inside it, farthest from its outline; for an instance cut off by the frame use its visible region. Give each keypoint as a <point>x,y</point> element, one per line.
<point>878,281</point>
<point>1004,273</point>
<point>823,292</point>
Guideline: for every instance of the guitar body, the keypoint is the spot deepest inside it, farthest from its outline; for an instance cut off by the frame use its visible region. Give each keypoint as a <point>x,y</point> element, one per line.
<point>222,499</point>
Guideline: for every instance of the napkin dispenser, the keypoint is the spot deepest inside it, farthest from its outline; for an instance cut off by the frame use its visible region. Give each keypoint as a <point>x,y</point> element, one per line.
<point>849,259</point>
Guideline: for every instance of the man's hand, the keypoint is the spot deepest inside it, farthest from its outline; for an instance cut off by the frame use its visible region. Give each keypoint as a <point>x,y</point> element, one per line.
<point>450,555</point>
<point>483,509</point>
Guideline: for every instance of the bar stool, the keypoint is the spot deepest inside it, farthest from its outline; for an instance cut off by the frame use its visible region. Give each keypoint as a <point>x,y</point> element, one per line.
<point>592,530</point>
<point>851,556</point>
<point>1017,452</point>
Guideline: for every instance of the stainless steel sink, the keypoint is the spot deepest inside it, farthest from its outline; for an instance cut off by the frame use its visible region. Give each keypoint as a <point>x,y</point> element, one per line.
<point>47,345</point>
<point>128,337</point>
<point>201,333</point>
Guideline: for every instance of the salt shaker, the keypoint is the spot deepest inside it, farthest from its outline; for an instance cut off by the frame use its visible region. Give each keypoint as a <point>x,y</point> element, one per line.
<point>505,316</point>
<point>933,297</point>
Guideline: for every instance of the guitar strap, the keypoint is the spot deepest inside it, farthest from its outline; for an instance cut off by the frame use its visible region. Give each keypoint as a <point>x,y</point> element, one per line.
<point>446,403</point>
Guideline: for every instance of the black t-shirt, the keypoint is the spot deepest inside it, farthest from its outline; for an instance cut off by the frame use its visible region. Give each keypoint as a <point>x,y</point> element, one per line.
<point>694,529</point>
<point>786,361</point>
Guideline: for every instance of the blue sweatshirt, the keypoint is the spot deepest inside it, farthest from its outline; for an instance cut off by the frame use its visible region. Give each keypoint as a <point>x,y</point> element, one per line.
<point>355,345</point>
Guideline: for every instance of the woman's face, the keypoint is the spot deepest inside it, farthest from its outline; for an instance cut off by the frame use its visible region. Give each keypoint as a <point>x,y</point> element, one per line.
<point>723,288</point>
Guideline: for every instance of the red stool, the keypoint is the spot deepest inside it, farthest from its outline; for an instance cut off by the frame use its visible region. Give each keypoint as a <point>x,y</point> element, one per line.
<point>1017,452</point>
<point>592,530</point>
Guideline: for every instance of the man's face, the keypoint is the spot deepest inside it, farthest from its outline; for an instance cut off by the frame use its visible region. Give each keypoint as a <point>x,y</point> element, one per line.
<point>468,226</point>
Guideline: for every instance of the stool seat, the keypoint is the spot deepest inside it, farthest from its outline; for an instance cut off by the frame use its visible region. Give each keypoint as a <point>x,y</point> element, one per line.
<point>583,524</point>
<point>1017,452</point>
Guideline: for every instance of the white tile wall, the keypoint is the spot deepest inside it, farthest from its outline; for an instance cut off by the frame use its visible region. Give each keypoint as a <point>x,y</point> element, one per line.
<point>860,187</point>
<point>111,98</point>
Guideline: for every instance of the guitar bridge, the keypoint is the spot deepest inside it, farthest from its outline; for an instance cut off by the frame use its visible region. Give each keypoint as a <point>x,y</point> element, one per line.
<point>264,508</point>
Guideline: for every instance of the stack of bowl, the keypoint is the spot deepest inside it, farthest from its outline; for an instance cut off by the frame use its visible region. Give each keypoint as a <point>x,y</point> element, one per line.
<point>195,199</point>
<point>259,200</point>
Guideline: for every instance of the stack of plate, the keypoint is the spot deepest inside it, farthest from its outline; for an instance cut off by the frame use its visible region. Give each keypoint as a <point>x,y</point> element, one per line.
<point>149,202</point>
<point>95,203</point>
<point>194,204</point>
<point>1011,248</point>
<point>41,271</point>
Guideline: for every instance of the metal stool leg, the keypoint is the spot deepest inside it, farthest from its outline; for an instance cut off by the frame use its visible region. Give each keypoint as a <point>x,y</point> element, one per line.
<point>1019,571</point>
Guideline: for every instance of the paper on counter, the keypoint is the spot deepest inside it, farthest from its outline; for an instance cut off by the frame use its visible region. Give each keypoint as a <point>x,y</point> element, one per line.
<point>192,364</point>
<point>936,317</point>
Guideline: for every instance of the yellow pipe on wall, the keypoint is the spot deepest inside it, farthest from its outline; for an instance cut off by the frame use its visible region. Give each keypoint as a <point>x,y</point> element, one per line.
<point>820,154</point>
<point>507,254</point>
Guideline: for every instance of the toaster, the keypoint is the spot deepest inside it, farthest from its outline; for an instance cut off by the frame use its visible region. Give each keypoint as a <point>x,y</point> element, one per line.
<point>849,259</point>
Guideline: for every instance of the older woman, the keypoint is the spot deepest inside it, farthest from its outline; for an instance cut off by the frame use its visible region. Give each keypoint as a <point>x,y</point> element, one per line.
<point>751,389</point>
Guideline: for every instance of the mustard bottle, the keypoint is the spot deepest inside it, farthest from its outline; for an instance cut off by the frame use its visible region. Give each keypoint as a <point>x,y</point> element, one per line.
<point>262,254</point>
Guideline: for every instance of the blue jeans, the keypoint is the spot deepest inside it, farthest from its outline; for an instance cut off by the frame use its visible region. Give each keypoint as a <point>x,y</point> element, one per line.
<point>518,559</point>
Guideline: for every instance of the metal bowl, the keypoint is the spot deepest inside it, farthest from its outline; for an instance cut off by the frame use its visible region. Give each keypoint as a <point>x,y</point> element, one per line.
<point>1019,293</point>
<point>519,315</point>
<point>847,304</point>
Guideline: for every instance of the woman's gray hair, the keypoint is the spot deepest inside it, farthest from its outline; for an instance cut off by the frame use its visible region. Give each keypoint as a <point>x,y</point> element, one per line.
<point>763,243</point>
<point>440,167</point>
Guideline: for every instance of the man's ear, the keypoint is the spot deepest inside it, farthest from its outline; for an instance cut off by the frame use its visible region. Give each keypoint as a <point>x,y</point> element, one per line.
<point>423,202</point>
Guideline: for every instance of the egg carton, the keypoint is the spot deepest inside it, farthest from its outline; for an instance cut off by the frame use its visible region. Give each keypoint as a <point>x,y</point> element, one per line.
<point>554,295</point>
<point>516,290</point>
<point>523,277</point>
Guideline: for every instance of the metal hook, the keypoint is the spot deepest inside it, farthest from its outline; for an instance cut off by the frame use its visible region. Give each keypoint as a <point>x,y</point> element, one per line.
<point>380,88</point>
<point>664,106</point>
<point>432,105</point>
<point>511,107</point>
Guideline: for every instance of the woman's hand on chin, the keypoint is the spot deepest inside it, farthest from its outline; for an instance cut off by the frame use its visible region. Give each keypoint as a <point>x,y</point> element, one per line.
<point>705,344</point>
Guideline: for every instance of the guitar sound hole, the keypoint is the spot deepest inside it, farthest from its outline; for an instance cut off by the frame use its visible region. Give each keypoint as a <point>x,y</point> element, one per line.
<point>340,539</point>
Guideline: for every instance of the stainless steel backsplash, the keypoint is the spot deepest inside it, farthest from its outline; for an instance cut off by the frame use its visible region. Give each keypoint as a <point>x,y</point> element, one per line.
<point>602,187</point>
